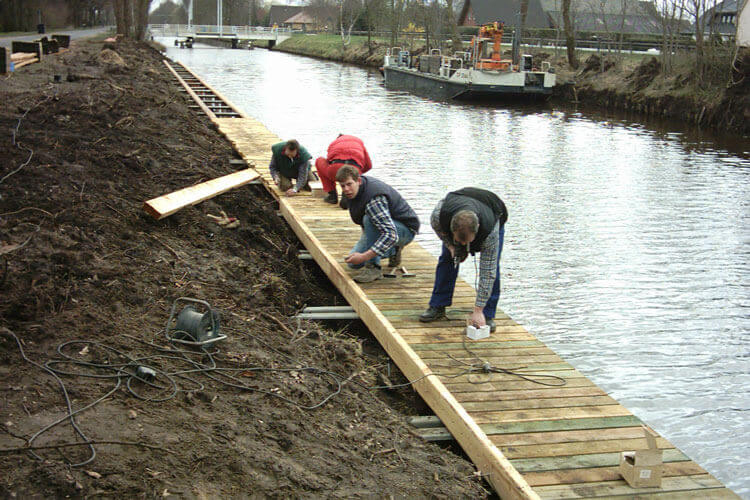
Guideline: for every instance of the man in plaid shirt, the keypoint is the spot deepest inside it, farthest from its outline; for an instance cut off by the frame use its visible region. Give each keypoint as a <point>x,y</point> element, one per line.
<point>469,220</point>
<point>388,222</point>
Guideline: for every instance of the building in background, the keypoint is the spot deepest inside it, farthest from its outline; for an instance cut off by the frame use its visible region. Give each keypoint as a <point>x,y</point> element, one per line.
<point>722,19</point>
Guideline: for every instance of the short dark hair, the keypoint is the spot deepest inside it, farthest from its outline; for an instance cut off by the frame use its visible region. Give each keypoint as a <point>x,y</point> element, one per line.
<point>347,172</point>
<point>292,145</point>
<point>464,223</point>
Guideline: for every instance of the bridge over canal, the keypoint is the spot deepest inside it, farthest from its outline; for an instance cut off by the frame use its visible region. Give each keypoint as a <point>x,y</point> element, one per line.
<point>208,31</point>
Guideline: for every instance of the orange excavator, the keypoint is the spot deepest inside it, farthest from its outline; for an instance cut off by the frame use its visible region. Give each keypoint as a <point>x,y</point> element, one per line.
<point>486,51</point>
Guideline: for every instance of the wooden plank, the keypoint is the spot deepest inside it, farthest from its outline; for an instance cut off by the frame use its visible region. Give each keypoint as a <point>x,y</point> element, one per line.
<point>703,494</point>
<point>584,461</point>
<point>568,436</point>
<point>548,413</point>
<point>689,485</point>
<point>496,431</point>
<point>22,56</point>
<point>545,393</point>
<point>598,474</point>
<point>168,204</point>
<point>567,449</point>
<point>25,62</point>
<point>508,383</point>
<point>519,404</point>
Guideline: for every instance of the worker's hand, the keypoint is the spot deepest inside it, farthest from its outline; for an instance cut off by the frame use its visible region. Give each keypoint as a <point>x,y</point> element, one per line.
<point>452,250</point>
<point>275,180</point>
<point>355,258</point>
<point>477,318</point>
<point>291,192</point>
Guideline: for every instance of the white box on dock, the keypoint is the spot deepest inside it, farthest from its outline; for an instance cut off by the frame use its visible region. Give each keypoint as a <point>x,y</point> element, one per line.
<point>475,333</point>
<point>643,468</point>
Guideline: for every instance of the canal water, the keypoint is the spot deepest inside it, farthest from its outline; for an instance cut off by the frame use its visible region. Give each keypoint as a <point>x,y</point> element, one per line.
<point>627,249</point>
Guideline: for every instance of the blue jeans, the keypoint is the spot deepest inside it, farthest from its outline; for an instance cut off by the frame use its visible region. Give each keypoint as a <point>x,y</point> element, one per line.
<point>370,235</point>
<point>445,281</point>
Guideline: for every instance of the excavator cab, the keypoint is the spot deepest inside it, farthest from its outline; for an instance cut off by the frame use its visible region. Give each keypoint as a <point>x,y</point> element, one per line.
<point>486,49</point>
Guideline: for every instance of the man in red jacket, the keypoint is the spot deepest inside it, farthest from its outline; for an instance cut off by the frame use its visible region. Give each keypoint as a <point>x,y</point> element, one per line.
<point>345,150</point>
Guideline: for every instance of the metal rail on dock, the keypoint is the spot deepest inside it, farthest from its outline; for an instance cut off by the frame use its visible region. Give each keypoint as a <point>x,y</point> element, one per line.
<point>527,440</point>
<point>207,99</point>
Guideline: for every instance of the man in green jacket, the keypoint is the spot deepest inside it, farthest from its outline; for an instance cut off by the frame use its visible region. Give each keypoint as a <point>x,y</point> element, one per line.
<point>290,161</point>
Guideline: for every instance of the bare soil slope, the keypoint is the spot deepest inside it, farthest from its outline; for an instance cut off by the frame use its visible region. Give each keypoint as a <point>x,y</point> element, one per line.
<point>277,410</point>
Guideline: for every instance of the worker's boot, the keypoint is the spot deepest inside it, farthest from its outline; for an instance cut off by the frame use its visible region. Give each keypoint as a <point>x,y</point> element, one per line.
<point>432,314</point>
<point>332,197</point>
<point>369,273</point>
<point>344,203</point>
<point>491,323</point>
<point>395,259</point>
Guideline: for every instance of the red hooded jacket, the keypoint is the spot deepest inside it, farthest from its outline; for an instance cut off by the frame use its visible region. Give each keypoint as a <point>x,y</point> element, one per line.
<point>348,147</point>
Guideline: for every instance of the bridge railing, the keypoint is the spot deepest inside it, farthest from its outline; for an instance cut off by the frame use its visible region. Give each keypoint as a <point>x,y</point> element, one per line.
<point>198,29</point>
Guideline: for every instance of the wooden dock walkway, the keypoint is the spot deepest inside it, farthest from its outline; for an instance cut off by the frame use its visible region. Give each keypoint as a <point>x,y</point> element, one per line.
<point>528,440</point>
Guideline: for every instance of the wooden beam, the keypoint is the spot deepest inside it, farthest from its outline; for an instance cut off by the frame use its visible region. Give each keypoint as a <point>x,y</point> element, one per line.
<point>33,47</point>
<point>170,203</point>
<point>25,62</point>
<point>22,56</point>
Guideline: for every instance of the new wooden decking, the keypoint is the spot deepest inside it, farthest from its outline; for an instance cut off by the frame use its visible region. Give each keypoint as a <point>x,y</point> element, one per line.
<point>528,440</point>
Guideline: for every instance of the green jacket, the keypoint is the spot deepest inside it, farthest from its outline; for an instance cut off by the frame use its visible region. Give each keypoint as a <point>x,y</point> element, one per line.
<point>288,168</point>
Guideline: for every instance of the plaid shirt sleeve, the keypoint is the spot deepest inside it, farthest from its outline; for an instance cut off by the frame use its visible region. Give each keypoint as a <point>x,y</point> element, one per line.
<point>380,215</point>
<point>488,266</point>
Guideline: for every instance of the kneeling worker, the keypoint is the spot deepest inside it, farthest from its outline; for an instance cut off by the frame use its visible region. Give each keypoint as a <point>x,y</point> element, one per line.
<point>344,150</point>
<point>290,161</point>
<point>388,222</point>
<point>469,220</point>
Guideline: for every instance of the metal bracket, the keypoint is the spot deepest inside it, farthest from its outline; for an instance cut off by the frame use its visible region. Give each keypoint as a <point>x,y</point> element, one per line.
<point>328,312</point>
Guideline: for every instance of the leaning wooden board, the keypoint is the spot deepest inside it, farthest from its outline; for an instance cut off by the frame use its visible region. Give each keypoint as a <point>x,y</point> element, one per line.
<point>528,440</point>
<point>168,204</point>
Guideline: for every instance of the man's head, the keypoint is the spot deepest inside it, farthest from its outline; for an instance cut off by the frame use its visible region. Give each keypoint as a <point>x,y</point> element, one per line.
<point>349,180</point>
<point>291,148</point>
<point>464,227</point>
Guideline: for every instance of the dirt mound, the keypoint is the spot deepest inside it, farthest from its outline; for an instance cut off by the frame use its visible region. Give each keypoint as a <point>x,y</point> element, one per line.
<point>279,409</point>
<point>110,57</point>
<point>595,63</point>
<point>645,73</point>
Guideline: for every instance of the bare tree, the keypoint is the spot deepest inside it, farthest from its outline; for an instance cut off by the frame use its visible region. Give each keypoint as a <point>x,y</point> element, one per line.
<point>452,26</point>
<point>698,10</point>
<point>671,15</point>
<point>123,16</point>
<point>141,18</point>
<point>570,35</point>
<point>349,12</point>
<point>465,9</point>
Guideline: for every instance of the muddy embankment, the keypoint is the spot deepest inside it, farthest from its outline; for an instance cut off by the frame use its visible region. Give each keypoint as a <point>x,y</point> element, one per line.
<point>87,280</point>
<point>610,83</point>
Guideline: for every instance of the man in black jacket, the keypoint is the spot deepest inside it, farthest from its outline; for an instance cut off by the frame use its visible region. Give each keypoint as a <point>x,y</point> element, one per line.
<point>388,222</point>
<point>469,220</point>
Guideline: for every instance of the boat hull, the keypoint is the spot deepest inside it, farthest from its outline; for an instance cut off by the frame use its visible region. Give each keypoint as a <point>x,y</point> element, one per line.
<point>437,87</point>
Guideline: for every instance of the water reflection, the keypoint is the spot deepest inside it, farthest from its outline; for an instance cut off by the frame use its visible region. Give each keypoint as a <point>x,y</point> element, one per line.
<point>626,248</point>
